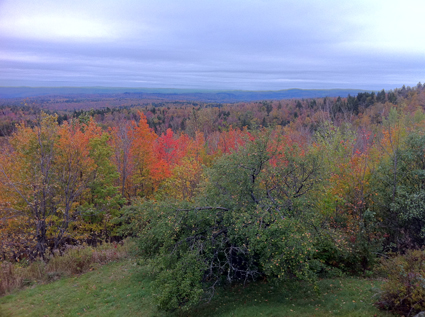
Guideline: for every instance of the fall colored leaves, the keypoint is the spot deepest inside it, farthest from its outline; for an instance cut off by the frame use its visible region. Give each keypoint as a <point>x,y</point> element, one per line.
<point>66,182</point>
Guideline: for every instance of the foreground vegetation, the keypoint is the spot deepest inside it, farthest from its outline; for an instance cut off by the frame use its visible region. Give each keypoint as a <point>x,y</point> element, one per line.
<point>124,288</point>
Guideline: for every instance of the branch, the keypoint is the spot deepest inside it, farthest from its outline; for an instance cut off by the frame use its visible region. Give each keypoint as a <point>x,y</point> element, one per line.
<point>204,208</point>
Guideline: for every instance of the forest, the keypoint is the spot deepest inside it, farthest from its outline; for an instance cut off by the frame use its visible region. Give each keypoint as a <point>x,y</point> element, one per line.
<point>218,194</point>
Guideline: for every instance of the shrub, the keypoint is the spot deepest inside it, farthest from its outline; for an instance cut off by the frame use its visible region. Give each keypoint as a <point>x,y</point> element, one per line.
<point>8,280</point>
<point>79,259</point>
<point>75,260</point>
<point>251,221</point>
<point>349,251</point>
<point>404,290</point>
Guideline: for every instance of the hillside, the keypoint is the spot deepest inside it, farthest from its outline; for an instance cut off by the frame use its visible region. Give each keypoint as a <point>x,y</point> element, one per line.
<point>173,94</point>
<point>123,289</point>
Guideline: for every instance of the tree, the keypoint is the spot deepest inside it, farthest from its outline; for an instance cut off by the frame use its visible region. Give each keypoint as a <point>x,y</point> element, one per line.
<point>140,164</point>
<point>392,97</point>
<point>251,220</point>
<point>121,140</point>
<point>381,96</point>
<point>402,208</point>
<point>28,179</point>
<point>348,236</point>
<point>44,176</point>
<point>101,202</point>
<point>149,168</point>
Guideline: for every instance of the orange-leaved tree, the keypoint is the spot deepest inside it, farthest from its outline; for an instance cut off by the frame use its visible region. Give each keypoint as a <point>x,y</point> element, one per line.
<point>43,175</point>
<point>184,157</point>
<point>141,167</point>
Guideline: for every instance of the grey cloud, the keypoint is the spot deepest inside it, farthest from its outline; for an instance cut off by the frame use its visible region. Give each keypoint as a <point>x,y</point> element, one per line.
<point>217,45</point>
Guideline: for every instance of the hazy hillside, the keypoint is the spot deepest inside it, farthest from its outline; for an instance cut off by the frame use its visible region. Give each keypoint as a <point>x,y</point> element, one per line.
<point>176,94</point>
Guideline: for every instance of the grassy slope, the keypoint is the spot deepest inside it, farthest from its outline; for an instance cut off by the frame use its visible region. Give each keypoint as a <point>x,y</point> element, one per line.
<point>122,289</point>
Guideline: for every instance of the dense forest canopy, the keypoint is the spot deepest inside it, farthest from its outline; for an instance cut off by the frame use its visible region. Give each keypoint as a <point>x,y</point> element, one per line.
<point>180,115</point>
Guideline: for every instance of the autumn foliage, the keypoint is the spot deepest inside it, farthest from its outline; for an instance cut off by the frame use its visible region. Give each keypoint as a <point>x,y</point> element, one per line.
<point>347,172</point>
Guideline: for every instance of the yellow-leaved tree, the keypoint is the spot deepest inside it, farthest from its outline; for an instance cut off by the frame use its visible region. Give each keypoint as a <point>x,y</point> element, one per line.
<point>45,172</point>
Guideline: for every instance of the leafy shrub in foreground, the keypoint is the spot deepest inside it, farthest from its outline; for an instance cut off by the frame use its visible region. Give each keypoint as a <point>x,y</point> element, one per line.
<point>404,291</point>
<point>251,221</point>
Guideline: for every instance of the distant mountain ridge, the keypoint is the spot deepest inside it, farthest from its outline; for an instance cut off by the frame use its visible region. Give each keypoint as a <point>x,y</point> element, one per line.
<point>178,94</point>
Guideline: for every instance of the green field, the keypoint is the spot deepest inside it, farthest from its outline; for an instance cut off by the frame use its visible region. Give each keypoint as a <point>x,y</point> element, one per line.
<point>122,289</point>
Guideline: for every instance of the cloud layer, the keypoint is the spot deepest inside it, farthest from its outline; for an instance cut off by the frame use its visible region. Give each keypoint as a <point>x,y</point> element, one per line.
<point>251,44</point>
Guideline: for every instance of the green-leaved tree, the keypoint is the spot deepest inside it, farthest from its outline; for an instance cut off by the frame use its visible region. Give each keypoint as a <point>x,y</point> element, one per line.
<point>250,221</point>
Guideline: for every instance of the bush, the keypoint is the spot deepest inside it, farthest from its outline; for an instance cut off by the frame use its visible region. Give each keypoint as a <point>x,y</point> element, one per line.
<point>79,259</point>
<point>404,291</point>
<point>75,260</point>
<point>251,221</point>
<point>353,252</point>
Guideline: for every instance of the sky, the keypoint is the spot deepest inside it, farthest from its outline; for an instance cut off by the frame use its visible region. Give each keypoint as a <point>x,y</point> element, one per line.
<point>213,44</point>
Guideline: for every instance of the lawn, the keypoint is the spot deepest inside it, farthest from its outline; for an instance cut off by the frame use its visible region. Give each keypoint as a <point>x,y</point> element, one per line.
<point>122,289</point>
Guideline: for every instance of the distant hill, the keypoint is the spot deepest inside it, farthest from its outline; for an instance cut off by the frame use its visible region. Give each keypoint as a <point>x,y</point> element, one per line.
<point>176,94</point>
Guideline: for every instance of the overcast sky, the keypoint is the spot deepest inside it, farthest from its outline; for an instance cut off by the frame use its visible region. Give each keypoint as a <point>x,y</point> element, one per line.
<point>213,44</point>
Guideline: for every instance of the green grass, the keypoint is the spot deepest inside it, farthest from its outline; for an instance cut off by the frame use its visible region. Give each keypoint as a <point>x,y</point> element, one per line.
<point>116,289</point>
<point>338,297</point>
<point>122,289</point>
